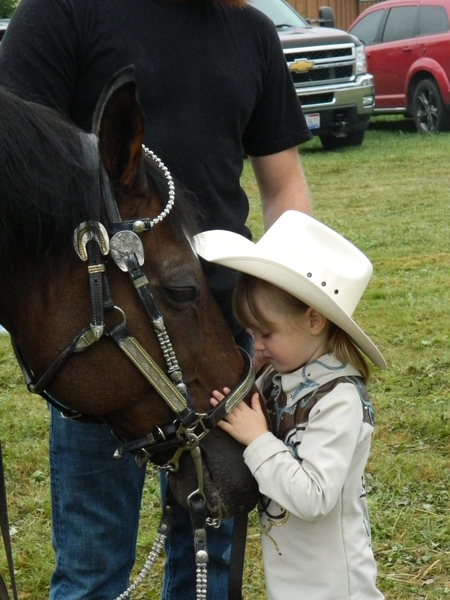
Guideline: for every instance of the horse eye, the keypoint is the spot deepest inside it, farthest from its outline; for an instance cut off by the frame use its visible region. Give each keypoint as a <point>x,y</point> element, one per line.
<point>181,295</point>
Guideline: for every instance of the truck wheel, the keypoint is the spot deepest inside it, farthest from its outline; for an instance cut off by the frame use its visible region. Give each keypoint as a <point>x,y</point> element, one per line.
<point>353,138</point>
<point>428,110</point>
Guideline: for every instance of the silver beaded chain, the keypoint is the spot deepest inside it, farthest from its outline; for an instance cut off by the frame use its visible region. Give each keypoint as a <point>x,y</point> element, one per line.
<point>201,581</point>
<point>170,184</point>
<point>154,553</point>
<point>158,544</point>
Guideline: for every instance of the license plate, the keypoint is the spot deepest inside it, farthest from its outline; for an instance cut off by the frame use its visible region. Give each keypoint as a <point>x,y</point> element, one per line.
<point>313,120</point>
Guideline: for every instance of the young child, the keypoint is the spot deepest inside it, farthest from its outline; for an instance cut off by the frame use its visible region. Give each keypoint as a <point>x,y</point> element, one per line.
<point>300,285</point>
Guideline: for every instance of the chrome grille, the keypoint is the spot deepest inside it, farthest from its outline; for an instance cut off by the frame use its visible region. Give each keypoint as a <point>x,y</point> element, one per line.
<point>321,65</point>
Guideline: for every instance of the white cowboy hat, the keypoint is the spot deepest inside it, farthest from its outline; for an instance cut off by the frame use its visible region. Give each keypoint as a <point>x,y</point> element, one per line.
<point>305,258</point>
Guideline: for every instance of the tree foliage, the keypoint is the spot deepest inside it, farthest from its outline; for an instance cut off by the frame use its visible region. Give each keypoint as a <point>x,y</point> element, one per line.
<point>7,8</point>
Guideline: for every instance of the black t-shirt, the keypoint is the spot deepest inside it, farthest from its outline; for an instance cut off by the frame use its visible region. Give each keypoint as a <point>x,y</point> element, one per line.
<point>212,81</point>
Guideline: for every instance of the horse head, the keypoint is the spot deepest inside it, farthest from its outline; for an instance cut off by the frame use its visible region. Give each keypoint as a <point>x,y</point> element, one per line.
<point>105,299</point>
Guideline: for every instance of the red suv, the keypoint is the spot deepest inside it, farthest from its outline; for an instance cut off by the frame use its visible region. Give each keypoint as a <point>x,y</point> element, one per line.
<point>408,53</point>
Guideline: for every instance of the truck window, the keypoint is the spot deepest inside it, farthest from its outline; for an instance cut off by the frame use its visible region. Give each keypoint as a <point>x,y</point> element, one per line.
<point>281,13</point>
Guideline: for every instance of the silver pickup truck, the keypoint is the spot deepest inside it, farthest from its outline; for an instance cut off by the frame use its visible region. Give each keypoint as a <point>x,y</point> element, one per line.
<point>328,68</point>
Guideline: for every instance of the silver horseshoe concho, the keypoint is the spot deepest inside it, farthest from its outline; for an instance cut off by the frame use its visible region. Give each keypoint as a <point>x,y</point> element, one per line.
<point>124,244</point>
<point>87,231</point>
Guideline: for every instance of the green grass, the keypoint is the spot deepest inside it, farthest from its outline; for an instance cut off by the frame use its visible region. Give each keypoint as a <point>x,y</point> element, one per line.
<point>391,198</point>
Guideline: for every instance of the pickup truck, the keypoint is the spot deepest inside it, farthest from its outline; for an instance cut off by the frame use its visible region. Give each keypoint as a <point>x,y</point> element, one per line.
<point>328,68</point>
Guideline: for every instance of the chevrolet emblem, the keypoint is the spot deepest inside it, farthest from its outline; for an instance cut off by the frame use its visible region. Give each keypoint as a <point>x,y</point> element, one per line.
<point>302,65</point>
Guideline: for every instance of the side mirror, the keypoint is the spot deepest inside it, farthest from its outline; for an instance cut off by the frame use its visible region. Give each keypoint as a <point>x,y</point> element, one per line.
<point>326,16</point>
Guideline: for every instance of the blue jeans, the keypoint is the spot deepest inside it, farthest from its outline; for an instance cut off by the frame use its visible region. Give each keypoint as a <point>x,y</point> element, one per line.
<point>95,517</point>
<point>95,511</point>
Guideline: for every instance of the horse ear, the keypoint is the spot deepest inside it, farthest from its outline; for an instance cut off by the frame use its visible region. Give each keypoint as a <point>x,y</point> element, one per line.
<point>118,123</point>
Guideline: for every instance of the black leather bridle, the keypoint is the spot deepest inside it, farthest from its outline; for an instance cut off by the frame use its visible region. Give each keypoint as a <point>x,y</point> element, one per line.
<point>92,242</point>
<point>186,430</point>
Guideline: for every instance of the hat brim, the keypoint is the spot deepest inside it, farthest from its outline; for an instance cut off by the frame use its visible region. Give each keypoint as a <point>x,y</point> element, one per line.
<point>236,252</point>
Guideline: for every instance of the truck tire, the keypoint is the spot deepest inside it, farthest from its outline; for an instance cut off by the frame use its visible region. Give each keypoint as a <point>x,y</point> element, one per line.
<point>428,110</point>
<point>353,138</point>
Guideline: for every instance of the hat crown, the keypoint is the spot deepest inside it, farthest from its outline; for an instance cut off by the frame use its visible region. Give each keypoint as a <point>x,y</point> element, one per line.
<point>306,259</point>
<point>320,255</point>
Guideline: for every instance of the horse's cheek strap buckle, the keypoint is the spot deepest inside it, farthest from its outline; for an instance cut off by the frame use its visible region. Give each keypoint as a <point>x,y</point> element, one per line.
<point>91,241</point>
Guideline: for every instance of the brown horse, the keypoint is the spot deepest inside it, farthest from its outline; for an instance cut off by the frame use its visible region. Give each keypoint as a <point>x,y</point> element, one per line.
<point>86,332</point>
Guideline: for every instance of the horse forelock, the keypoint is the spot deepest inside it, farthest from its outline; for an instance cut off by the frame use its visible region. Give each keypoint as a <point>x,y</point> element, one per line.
<point>45,184</point>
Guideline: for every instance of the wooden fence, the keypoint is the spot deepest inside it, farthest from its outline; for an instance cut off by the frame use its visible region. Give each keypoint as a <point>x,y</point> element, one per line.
<point>345,11</point>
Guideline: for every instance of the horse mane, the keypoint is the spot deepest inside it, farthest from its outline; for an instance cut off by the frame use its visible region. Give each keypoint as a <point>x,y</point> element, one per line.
<point>46,185</point>
<point>44,182</point>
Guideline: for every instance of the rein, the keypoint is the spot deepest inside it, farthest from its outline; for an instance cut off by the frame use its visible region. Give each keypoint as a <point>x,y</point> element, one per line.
<point>4,526</point>
<point>185,432</point>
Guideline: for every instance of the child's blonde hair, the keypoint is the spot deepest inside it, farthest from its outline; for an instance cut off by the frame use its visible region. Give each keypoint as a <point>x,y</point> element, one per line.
<point>249,314</point>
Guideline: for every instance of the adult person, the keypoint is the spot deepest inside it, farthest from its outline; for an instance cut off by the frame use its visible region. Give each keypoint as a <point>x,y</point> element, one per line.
<point>213,84</point>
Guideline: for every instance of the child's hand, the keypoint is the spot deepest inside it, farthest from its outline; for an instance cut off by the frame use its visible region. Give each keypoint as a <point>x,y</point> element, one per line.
<point>244,423</point>
<point>218,396</point>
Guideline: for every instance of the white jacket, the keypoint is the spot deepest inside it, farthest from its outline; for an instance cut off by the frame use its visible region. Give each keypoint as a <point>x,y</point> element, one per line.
<point>313,513</point>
